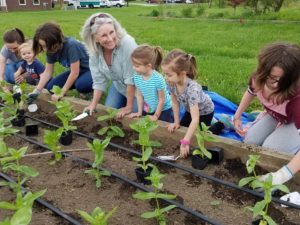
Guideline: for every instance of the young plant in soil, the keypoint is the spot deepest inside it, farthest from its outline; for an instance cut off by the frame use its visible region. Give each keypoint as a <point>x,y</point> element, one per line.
<point>64,111</point>
<point>51,138</point>
<point>111,130</point>
<point>250,165</point>
<point>98,148</point>
<point>97,217</point>
<point>261,208</point>
<point>144,127</point>
<point>10,161</point>
<point>158,213</point>
<point>5,128</point>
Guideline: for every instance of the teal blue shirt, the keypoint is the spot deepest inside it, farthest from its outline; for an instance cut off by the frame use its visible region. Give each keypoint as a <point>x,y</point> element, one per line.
<point>121,70</point>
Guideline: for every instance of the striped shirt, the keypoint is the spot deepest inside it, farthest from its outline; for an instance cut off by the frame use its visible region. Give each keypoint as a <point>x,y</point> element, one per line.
<point>149,89</point>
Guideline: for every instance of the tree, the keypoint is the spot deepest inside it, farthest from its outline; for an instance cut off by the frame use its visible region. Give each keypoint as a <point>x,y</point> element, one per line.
<point>235,3</point>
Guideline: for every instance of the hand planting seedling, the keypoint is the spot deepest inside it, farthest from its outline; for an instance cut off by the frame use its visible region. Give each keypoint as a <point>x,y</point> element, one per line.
<point>97,217</point>
<point>111,130</point>
<point>51,139</point>
<point>98,148</point>
<point>144,126</point>
<point>158,213</point>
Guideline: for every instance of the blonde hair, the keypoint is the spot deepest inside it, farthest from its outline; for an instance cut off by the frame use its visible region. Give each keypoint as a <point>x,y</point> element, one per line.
<point>147,54</point>
<point>91,26</point>
<point>181,61</point>
<point>27,44</point>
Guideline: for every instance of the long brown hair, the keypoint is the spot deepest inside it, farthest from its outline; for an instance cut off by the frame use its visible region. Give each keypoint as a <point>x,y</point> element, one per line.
<point>51,34</point>
<point>181,61</point>
<point>14,35</point>
<point>287,57</point>
<point>147,54</point>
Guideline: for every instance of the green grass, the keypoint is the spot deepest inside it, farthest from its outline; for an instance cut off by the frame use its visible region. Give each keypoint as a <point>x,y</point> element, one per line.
<point>225,50</point>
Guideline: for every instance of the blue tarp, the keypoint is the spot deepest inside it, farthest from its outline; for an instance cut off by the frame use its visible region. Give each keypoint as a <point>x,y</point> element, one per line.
<point>224,106</point>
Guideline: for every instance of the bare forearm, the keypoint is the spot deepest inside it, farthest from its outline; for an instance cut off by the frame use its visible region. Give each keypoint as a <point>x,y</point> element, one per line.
<point>191,129</point>
<point>69,83</point>
<point>96,97</point>
<point>130,96</point>
<point>245,102</point>
<point>44,78</point>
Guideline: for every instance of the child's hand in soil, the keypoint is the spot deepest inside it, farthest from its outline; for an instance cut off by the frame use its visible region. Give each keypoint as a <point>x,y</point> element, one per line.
<point>184,150</point>
<point>173,126</point>
<point>133,115</point>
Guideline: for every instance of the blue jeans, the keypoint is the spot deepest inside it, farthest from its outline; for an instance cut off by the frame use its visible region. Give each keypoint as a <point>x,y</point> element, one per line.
<point>116,100</point>
<point>166,115</point>
<point>83,83</point>
<point>10,70</point>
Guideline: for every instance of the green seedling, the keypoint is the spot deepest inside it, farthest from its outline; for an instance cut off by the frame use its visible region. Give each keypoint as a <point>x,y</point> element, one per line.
<point>98,148</point>
<point>144,127</point>
<point>250,165</point>
<point>111,130</point>
<point>97,217</point>
<point>10,161</point>
<point>64,111</point>
<point>51,139</point>
<point>202,136</point>
<point>5,128</point>
<point>158,213</point>
<point>261,207</point>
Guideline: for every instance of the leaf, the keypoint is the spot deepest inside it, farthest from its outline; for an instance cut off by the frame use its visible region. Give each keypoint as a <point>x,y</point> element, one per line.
<point>31,172</point>
<point>245,181</point>
<point>269,220</point>
<point>118,131</point>
<point>7,205</point>
<point>148,215</point>
<point>87,217</point>
<point>22,216</point>
<point>168,208</point>
<point>31,197</point>
<point>258,208</point>
<point>166,196</point>
<point>103,130</point>
<point>144,195</point>
<point>282,188</point>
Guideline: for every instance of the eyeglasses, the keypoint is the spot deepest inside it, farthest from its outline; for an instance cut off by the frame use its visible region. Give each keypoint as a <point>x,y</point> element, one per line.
<point>272,79</point>
<point>101,15</point>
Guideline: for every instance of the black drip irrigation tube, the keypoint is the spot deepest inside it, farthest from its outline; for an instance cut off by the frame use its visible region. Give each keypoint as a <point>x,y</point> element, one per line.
<point>181,167</point>
<point>125,179</point>
<point>44,203</point>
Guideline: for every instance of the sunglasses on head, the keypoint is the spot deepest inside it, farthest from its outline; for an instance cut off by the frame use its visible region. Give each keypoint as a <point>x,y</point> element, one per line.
<point>101,15</point>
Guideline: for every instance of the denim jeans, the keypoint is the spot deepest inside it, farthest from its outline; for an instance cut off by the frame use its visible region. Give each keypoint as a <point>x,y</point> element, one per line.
<point>83,83</point>
<point>10,70</point>
<point>166,115</point>
<point>116,100</point>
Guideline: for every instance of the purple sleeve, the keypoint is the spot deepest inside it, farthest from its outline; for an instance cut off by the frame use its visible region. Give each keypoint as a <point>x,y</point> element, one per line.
<point>293,111</point>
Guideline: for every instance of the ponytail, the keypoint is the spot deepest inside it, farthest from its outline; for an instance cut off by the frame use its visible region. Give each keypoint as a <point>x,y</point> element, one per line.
<point>158,57</point>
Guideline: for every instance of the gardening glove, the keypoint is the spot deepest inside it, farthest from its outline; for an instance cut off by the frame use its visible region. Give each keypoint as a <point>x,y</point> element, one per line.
<point>33,96</point>
<point>280,176</point>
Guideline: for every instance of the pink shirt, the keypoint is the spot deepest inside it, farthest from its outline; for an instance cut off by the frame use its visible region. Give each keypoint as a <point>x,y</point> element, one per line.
<point>286,112</point>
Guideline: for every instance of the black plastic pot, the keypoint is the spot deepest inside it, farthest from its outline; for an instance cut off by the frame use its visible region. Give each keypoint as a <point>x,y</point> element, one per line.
<point>141,175</point>
<point>17,97</point>
<point>198,162</point>
<point>31,129</point>
<point>19,121</point>
<point>66,138</point>
<point>256,222</point>
<point>217,154</point>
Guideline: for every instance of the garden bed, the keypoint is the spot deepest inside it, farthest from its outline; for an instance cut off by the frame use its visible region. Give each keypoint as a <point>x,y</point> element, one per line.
<point>68,188</point>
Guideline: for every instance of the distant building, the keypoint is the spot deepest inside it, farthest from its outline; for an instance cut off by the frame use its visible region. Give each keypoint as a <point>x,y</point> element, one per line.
<point>18,5</point>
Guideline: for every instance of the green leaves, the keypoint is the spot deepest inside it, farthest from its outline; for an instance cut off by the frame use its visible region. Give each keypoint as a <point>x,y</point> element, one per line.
<point>51,140</point>
<point>97,217</point>
<point>251,163</point>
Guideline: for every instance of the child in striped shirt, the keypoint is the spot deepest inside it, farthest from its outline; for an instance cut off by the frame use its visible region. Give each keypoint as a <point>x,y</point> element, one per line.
<point>152,96</point>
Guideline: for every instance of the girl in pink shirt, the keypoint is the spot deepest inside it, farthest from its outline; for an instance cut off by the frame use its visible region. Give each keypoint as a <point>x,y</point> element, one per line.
<point>276,83</point>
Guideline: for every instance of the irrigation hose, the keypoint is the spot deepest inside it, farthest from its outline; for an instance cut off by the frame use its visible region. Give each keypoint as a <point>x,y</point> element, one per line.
<point>181,167</point>
<point>44,203</point>
<point>123,178</point>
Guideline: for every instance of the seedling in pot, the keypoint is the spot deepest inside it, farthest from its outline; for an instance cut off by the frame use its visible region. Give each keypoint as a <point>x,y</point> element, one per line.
<point>158,213</point>
<point>201,155</point>
<point>111,130</point>
<point>65,113</point>
<point>144,126</point>
<point>51,138</point>
<point>261,208</point>
<point>97,217</point>
<point>98,148</point>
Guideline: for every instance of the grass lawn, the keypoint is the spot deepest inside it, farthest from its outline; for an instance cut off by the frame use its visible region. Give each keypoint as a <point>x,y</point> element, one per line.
<point>225,50</point>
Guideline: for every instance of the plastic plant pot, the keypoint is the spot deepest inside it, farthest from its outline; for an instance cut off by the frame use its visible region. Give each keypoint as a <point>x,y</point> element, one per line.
<point>66,138</point>
<point>217,155</point>
<point>31,129</point>
<point>198,162</point>
<point>19,121</point>
<point>17,97</point>
<point>141,175</point>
